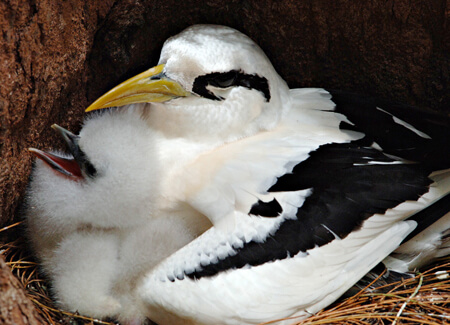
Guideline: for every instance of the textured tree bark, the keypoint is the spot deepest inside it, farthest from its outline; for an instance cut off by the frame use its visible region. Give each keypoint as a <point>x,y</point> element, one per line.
<point>57,56</point>
<point>43,68</point>
<point>15,307</point>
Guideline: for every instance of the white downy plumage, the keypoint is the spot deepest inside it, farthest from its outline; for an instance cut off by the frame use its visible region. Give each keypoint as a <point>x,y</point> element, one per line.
<point>306,191</point>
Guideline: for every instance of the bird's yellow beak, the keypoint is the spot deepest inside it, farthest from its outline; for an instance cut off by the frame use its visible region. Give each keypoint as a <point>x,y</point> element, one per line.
<point>148,86</point>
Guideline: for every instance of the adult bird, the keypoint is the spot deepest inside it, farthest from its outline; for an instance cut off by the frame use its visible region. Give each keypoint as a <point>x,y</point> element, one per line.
<point>306,189</point>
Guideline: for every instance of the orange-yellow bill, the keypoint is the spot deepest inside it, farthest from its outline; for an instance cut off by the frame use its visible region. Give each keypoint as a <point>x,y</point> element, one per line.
<point>148,86</point>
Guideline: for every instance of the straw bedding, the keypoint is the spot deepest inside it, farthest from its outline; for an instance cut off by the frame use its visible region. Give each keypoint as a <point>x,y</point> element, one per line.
<point>422,299</point>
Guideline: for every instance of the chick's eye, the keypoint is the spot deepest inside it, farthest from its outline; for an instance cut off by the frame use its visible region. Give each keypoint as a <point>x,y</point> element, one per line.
<point>90,169</point>
<point>85,164</point>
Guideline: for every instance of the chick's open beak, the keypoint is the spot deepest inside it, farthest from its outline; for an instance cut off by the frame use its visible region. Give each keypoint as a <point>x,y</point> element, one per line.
<point>149,86</point>
<point>66,166</point>
<point>69,166</point>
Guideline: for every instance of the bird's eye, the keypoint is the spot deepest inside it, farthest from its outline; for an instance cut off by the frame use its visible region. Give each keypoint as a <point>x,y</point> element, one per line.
<point>224,80</point>
<point>89,169</point>
<point>85,165</point>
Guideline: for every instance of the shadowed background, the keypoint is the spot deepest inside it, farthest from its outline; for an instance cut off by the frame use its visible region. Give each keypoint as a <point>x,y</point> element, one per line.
<point>56,57</point>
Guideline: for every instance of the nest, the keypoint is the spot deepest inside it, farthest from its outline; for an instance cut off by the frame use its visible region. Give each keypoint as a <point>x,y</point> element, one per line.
<point>422,299</point>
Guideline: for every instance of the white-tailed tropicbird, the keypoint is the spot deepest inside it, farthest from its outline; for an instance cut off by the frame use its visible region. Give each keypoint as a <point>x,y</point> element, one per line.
<point>306,189</point>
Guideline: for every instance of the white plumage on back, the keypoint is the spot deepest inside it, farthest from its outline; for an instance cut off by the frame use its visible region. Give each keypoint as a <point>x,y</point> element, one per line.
<point>306,190</point>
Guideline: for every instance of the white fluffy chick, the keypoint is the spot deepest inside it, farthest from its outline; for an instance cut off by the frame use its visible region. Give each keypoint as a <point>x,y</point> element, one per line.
<point>93,217</point>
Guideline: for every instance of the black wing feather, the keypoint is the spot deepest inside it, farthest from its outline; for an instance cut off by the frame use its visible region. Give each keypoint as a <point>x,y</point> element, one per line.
<point>394,138</point>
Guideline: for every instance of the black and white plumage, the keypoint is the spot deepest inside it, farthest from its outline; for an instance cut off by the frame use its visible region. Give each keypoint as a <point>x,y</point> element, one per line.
<point>306,189</point>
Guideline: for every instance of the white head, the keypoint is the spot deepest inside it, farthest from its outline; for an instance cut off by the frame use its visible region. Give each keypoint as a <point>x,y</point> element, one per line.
<point>211,81</point>
<point>109,180</point>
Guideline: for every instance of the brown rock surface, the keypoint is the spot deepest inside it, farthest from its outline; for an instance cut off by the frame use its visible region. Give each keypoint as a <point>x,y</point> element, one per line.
<point>57,56</point>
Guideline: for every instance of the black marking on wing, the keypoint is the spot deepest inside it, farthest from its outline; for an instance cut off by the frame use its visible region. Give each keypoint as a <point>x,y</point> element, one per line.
<point>229,79</point>
<point>326,164</point>
<point>266,209</point>
<point>343,196</point>
<point>394,138</point>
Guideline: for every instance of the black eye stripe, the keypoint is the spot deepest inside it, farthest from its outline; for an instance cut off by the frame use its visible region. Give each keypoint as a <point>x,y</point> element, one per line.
<point>86,165</point>
<point>228,79</point>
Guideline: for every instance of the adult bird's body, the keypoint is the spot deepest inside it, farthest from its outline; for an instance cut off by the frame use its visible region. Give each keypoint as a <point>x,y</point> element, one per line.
<point>306,189</point>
